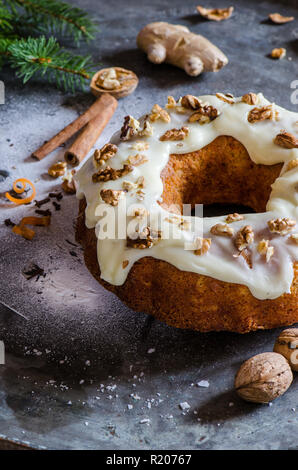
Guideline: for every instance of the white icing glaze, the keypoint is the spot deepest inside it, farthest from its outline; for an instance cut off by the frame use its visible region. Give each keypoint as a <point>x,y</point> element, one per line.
<point>265,280</point>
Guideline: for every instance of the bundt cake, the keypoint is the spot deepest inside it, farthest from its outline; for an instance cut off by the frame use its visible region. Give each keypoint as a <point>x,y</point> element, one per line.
<point>140,218</point>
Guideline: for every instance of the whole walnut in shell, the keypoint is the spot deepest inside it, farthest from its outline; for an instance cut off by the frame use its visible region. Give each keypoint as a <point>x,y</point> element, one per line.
<point>263,378</point>
<point>287,345</point>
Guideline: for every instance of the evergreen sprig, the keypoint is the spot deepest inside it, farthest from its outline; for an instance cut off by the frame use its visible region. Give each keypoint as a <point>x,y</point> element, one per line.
<point>32,56</point>
<point>56,17</point>
<point>40,56</point>
<point>5,19</point>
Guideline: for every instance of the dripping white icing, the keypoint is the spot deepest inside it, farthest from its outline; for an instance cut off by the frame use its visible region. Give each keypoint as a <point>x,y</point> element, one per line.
<point>264,280</point>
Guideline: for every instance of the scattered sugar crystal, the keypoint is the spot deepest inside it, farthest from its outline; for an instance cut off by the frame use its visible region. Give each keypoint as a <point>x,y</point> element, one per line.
<point>203,383</point>
<point>145,421</point>
<point>184,406</point>
<point>151,351</point>
<point>135,396</point>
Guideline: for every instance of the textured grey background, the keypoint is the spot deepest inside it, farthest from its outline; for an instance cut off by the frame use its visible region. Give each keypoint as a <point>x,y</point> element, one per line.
<point>71,319</point>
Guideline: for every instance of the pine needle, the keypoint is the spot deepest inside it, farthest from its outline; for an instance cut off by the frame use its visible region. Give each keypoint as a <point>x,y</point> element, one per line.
<point>22,47</point>
<point>56,17</point>
<point>5,19</point>
<point>40,56</point>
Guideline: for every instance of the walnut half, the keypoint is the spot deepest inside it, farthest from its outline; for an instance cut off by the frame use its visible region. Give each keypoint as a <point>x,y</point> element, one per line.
<point>111,196</point>
<point>57,169</point>
<point>286,140</point>
<point>204,114</point>
<point>108,151</point>
<point>262,114</point>
<point>250,98</point>
<point>235,217</point>
<point>175,134</point>
<point>222,230</point>
<point>202,246</point>
<point>146,239</point>
<point>109,174</point>
<point>215,14</point>
<point>281,226</point>
<point>244,237</point>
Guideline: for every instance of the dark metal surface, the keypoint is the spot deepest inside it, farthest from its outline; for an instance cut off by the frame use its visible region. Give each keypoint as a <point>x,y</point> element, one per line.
<point>57,387</point>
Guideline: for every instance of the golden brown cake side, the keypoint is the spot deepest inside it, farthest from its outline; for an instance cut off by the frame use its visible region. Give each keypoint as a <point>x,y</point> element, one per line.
<point>196,302</point>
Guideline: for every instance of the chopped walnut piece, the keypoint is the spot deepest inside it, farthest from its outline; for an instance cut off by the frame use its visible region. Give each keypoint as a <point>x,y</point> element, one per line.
<point>286,140</point>
<point>147,130</point>
<point>278,53</point>
<point>175,134</point>
<point>140,213</point>
<point>111,196</point>
<point>265,249</point>
<point>249,98</point>
<point>141,182</point>
<point>125,263</point>
<point>222,229</point>
<point>171,104</point>
<point>109,173</point>
<point>184,225</point>
<point>292,164</point>
<point>130,128</point>
<point>281,226</point>
<point>108,80</point>
<point>204,114</point>
<point>57,169</point>
<point>140,195</point>
<point>128,185</point>
<point>234,217</point>
<point>157,113</point>
<point>202,246</point>
<point>215,14</point>
<point>68,184</point>
<point>261,114</point>
<point>191,102</point>
<point>244,237</point>
<point>108,151</point>
<point>294,237</point>
<point>137,159</point>
<point>173,219</point>
<point>246,255</point>
<point>227,98</point>
<point>176,105</point>
<point>279,19</point>
<point>146,239</point>
<point>140,146</point>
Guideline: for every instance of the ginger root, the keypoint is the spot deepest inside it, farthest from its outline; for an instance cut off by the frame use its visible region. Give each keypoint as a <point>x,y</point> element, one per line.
<point>176,45</point>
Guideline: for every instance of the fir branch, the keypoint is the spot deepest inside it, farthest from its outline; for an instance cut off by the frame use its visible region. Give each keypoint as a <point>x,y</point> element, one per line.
<point>57,17</point>
<point>40,56</point>
<point>5,19</point>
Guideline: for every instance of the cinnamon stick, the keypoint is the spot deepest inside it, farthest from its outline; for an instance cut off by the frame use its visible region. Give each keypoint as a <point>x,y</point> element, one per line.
<point>102,105</point>
<point>89,135</point>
